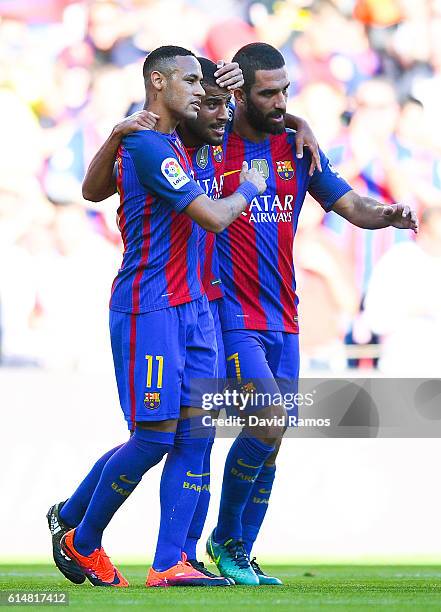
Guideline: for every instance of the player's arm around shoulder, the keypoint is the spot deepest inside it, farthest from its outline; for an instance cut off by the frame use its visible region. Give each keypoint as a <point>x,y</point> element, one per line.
<point>304,137</point>
<point>100,180</point>
<point>215,216</point>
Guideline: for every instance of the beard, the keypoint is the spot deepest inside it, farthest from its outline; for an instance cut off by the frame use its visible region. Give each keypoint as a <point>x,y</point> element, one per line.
<point>261,122</point>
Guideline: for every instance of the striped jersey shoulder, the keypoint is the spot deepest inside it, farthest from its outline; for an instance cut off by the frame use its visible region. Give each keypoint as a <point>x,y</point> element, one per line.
<point>160,265</point>
<point>290,136</point>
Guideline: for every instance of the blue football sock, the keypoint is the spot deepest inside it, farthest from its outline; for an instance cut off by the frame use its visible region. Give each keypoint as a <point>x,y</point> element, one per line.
<point>180,487</point>
<point>257,505</point>
<point>200,513</point>
<point>120,476</point>
<point>243,464</point>
<point>74,508</point>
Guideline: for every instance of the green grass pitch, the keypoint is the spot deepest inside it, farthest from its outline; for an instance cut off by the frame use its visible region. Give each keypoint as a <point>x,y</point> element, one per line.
<point>335,587</point>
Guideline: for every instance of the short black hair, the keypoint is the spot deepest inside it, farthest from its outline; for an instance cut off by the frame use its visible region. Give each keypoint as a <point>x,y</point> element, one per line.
<point>160,58</point>
<point>257,56</point>
<point>208,69</point>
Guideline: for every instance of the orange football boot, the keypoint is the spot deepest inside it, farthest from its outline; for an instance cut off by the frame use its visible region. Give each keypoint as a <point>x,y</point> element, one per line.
<point>183,574</point>
<point>97,566</point>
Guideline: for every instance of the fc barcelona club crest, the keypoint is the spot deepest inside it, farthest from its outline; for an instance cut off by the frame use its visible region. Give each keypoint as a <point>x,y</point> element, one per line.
<point>248,388</point>
<point>202,157</point>
<point>285,170</point>
<point>218,153</point>
<point>152,400</point>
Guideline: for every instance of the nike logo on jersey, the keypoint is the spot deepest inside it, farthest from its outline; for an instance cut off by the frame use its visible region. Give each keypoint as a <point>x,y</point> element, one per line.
<point>197,475</point>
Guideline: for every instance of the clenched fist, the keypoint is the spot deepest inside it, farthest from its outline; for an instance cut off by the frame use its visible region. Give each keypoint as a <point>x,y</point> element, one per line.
<point>254,176</point>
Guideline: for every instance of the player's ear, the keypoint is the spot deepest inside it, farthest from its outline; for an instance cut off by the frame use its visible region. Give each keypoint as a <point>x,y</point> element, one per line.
<point>157,79</point>
<point>239,96</point>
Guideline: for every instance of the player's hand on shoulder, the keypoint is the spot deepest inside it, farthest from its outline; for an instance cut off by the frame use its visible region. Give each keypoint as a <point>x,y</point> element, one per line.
<point>229,75</point>
<point>401,216</point>
<point>253,176</point>
<point>305,138</point>
<point>141,120</point>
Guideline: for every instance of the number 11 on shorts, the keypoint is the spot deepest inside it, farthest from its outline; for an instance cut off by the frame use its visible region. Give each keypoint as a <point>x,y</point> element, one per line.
<point>160,360</point>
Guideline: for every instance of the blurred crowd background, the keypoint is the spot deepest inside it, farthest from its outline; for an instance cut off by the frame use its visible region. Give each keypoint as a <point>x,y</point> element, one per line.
<point>366,74</point>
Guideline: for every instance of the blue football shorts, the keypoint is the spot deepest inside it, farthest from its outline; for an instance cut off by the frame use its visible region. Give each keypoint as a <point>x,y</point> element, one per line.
<point>265,365</point>
<point>156,356</point>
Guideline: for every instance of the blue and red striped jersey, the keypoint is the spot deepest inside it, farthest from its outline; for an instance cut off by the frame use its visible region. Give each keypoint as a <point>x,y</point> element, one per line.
<point>160,265</point>
<point>256,250</point>
<point>208,165</point>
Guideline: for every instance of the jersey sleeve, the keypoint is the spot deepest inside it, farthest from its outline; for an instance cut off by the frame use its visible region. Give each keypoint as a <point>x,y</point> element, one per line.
<point>327,186</point>
<point>159,170</point>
